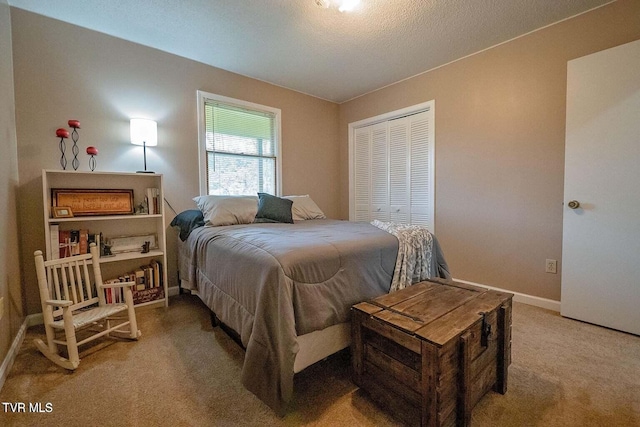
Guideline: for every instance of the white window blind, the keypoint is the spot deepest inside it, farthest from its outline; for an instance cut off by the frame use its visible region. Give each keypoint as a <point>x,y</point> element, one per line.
<point>241,149</point>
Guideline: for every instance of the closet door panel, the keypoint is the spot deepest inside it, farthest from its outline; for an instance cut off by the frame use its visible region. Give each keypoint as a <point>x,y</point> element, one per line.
<point>380,172</point>
<point>421,165</point>
<point>362,174</point>
<point>399,165</point>
<point>399,214</point>
<point>381,213</point>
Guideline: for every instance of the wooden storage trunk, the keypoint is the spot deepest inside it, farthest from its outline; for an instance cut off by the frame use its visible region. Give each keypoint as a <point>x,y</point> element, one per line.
<point>429,352</point>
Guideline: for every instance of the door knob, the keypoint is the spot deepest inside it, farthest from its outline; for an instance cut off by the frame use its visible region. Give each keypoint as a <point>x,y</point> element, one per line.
<point>573,204</point>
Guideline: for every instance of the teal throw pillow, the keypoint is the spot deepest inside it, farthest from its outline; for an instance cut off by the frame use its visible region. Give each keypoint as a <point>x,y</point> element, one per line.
<point>273,209</point>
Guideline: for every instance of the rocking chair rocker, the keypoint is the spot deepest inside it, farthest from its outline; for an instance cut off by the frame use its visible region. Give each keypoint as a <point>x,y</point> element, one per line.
<point>70,302</point>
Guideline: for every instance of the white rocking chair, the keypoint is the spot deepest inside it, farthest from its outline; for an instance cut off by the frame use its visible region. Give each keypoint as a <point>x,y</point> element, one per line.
<point>70,302</point>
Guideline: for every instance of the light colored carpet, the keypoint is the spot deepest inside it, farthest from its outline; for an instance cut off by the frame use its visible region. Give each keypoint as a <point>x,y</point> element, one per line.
<point>183,372</point>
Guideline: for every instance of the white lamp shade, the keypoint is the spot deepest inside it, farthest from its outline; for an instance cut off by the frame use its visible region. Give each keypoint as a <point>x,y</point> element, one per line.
<point>144,132</point>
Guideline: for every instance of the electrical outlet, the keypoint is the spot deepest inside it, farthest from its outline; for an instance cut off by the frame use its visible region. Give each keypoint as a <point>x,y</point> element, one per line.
<point>551,266</point>
<point>1,307</point>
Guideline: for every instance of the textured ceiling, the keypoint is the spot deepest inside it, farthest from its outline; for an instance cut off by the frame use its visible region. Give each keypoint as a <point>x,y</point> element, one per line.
<point>322,52</point>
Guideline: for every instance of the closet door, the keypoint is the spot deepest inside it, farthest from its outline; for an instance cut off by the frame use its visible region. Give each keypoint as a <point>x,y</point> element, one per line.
<point>379,172</point>
<point>399,181</point>
<point>391,176</point>
<point>362,174</point>
<point>421,169</point>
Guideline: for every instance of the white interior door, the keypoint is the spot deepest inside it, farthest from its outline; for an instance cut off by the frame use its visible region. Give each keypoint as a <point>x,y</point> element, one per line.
<point>601,238</point>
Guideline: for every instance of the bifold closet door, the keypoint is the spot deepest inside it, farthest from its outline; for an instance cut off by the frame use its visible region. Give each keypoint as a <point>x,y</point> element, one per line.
<point>393,170</point>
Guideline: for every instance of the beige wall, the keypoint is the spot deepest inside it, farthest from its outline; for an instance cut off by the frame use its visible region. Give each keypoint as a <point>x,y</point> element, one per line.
<point>65,72</point>
<point>10,286</point>
<point>499,133</point>
<point>500,129</point>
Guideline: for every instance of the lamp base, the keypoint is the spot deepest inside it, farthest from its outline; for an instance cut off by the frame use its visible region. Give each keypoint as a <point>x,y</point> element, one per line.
<point>145,172</point>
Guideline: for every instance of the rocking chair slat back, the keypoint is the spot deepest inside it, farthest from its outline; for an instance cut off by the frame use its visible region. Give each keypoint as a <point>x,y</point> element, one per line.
<point>70,280</point>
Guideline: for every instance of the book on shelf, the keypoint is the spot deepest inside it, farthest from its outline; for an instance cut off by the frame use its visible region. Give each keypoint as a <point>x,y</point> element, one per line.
<point>66,243</point>
<point>113,295</point>
<point>54,240</point>
<point>83,242</point>
<point>157,272</point>
<point>148,284</point>
<point>147,279</point>
<point>154,289</point>
<point>74,244</point>
<point>152,196</point>
<point>141,283</point>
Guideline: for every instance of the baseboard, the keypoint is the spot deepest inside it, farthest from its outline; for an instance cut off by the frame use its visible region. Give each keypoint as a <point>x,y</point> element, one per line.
<point>174,290</point>
<point>34,319</point>
<point>7,363</point>
<point>548,304</point>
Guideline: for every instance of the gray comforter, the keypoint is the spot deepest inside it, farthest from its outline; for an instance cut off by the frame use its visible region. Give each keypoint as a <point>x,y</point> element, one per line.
<point>273,282</point>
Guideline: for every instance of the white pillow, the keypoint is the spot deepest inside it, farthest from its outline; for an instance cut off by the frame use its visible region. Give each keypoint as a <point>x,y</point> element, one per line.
<point>227,210</point>
<point>304,208</point>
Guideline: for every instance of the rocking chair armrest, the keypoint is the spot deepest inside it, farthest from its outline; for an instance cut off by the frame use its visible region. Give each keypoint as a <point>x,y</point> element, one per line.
<point>118,285</point>
<point>59,302</point>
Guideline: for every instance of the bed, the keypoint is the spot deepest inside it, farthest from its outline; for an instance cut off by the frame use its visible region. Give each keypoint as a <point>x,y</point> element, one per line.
<point>286,289</point>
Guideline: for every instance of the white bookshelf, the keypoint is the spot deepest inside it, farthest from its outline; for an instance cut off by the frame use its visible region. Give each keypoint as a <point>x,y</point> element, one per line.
<point>111,225</point>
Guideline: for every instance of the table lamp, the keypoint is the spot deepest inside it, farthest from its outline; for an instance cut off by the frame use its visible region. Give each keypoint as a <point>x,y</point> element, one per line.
<point>144,132</point>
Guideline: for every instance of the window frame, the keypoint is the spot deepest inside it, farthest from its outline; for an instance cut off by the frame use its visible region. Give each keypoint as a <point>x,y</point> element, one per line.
<point>202,97</point>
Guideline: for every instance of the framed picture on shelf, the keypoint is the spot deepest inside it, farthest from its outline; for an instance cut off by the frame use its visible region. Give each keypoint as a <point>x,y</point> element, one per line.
<point>85,202</point>
<point>62,212</point>
<point>133,243</point>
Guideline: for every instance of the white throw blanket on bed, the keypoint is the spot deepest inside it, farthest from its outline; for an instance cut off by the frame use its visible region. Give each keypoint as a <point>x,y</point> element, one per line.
<point>415,248</point>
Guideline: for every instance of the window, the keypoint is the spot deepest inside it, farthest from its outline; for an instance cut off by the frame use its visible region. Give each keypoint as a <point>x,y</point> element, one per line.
<point>239,146</point>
